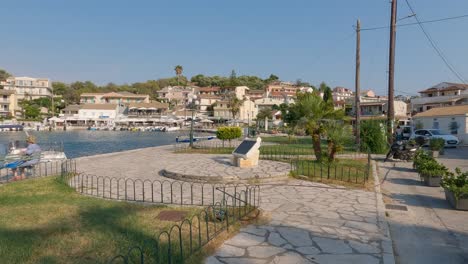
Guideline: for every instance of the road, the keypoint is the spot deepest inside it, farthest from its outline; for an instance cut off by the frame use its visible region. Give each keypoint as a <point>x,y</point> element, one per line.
<point>430,231</point>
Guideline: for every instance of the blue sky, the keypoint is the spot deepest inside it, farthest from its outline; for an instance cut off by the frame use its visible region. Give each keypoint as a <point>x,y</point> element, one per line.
<point>128,41</point>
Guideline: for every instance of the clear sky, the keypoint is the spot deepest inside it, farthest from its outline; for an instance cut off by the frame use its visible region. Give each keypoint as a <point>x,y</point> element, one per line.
<point>127,41</point>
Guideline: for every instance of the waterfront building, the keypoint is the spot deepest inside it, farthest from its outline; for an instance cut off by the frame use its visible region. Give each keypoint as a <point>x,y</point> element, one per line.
<point>442,94</point>
<point>28,88</point>
<point>8,103</point>
<point>149,110</point>
<point>247,111</point>
<point>270,103</point>
<point>70,110</point>
<point>176,95</point>
<point>284,89</point>
<point>113,98</point>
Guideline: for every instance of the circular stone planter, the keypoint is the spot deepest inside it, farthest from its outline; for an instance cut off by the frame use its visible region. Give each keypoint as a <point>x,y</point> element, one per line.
<point>219,169</point>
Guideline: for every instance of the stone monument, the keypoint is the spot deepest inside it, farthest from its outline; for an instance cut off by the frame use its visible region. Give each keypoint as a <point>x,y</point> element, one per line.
<point>246,155</point>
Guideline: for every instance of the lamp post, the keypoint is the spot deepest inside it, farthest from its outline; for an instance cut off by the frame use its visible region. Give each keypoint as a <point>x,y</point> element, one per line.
<point>193,106</point>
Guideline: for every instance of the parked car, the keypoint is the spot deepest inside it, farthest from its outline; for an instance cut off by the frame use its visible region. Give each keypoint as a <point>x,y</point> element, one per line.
<point>428,134</point>
<point>407,131</point>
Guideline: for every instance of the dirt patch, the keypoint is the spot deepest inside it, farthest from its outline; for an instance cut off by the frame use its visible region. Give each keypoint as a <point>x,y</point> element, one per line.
<point>172,215</point>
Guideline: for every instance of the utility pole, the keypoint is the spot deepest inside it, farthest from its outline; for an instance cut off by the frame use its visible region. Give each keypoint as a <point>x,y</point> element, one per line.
<point>391,72</point>
<point>357,103</point>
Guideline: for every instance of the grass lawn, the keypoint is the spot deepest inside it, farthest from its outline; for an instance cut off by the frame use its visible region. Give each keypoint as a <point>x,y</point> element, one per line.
<point>44,221</point>
<point>343,170</point>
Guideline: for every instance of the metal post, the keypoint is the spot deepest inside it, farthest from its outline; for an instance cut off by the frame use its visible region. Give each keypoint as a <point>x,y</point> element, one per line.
<point>357,103</point>
<point>191,129</point>
<point>391,71</point>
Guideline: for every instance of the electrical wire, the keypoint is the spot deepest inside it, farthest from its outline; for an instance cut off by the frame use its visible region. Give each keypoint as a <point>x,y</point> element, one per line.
<point>416,23</point>
<point>434,45</point>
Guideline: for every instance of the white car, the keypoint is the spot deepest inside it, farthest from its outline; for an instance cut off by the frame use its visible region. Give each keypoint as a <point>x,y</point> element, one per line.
<point>428,134</point>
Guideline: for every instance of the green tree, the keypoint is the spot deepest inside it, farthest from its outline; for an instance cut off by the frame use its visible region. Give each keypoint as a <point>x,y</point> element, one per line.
<point>271,78</point>
<point>328,95</point>
<point>60,88</point>
<point>374,136</point>
<point>339,134</point>
<point>4,75</point>
<point>228,133</point>
<point>178,70</point>
<point>234,104</point>
<point>311,113</point>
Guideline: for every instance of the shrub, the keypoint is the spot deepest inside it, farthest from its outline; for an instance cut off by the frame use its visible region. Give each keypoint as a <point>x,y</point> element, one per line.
<point>228,133</point>
<point>456,183</point>
<point>373,136</point>
<point>437,144</point>
<point>433,169</point>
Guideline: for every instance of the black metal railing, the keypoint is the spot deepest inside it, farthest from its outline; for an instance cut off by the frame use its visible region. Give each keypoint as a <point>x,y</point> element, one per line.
<point>41,169</point>
<point>314,170</point>
<point>183,240</point>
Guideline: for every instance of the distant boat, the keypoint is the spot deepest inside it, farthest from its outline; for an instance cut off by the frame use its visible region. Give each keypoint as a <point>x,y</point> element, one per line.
<point>195,139</point>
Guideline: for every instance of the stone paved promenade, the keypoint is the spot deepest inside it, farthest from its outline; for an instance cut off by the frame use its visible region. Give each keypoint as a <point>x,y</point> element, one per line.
<point>310,222</point>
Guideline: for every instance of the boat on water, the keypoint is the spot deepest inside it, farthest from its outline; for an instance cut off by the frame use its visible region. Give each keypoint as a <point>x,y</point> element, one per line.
<point>195,139</point>
<point>13,153</point>
<point>11,127</point>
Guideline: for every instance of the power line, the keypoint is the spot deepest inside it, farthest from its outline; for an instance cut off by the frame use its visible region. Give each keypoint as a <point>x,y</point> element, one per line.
<point>416,23</point>
<point>436,48</point>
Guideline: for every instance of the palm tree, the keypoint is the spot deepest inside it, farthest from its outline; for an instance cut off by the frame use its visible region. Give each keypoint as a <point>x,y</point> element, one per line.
<point>178,70</point>
<point>311,112</point>
<point>338,135</point>
<point>235,105</point>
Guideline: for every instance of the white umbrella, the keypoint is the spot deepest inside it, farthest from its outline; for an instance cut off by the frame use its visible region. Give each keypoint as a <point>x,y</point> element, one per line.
<point>141,108</point>
<point>206,121</point>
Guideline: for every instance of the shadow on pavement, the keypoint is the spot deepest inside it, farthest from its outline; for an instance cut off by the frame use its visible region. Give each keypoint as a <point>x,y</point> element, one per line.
<point>420,200</point>
<point>428,245</point>
<point>405,181</point>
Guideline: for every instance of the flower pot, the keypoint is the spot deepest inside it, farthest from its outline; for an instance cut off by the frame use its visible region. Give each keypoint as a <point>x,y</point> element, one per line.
<point>460,204</point>
<point>432,181</point>
<point>435,153</point>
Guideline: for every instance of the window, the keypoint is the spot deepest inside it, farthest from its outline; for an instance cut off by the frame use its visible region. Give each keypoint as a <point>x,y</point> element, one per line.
<point>453,127</point>
<point>435,124</point>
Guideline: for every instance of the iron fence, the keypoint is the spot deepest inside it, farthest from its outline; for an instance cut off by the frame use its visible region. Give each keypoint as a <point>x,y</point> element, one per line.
<point>337,171</point>
<point>41,169</point>
<point>189,236</point>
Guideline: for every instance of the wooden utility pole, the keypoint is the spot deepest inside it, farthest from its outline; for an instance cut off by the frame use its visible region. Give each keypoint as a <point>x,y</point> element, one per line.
<point>391,71</point>
<point>357,102</point>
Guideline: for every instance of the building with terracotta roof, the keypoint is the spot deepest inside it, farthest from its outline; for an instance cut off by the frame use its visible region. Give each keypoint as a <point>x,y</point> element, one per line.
<point>450,119</point>
<point>113,98</point>
<point>442,94</point>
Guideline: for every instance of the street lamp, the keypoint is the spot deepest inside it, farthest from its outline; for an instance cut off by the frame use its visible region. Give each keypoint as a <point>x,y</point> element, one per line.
<point>193,107</point>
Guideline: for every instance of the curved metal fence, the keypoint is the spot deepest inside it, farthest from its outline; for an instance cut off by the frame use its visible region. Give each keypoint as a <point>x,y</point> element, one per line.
<point>223,206</point>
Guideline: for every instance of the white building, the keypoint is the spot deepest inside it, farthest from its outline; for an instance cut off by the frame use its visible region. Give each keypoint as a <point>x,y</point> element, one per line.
<point>270,102</point>
<point>28,88</point>
<point>442,94</point>
<point>247,111</point>
<point>451,119</point>
<point>98,111</point>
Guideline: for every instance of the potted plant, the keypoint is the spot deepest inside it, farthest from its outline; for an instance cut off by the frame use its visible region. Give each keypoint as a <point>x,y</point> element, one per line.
<point>456,189</point>
<point>437,146</point>
<point>421,157</point>
<point>432,172</point>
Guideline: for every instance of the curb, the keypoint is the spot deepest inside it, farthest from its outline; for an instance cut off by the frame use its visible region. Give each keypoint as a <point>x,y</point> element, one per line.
<point>387,246</point>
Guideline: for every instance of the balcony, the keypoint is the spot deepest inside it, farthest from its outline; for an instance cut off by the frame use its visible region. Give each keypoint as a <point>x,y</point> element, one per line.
<point>438,99</point>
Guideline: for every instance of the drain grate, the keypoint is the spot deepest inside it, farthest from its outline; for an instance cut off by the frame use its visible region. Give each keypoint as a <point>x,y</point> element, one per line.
<point>396,207</point>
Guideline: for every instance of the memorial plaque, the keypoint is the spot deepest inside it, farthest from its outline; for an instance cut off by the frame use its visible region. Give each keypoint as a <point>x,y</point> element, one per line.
<point>245,147</point>
<point>246,155</point>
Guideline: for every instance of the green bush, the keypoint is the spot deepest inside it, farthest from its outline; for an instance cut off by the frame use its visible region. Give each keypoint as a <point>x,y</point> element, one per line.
<point>437,144</point>
<point>456,183</point>
<point>373,136</point>
<point>433,169</point>
<point>228,133</point>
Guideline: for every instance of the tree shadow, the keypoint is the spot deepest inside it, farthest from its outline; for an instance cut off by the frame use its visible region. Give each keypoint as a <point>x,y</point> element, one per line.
<point>421,200</point>
<point>405,181</point>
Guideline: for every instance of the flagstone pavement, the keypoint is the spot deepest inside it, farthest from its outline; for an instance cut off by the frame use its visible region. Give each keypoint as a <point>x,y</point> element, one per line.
<point>312,223</point>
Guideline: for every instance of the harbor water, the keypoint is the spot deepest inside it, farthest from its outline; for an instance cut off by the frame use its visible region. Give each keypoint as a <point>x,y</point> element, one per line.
<point>87,143</point>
